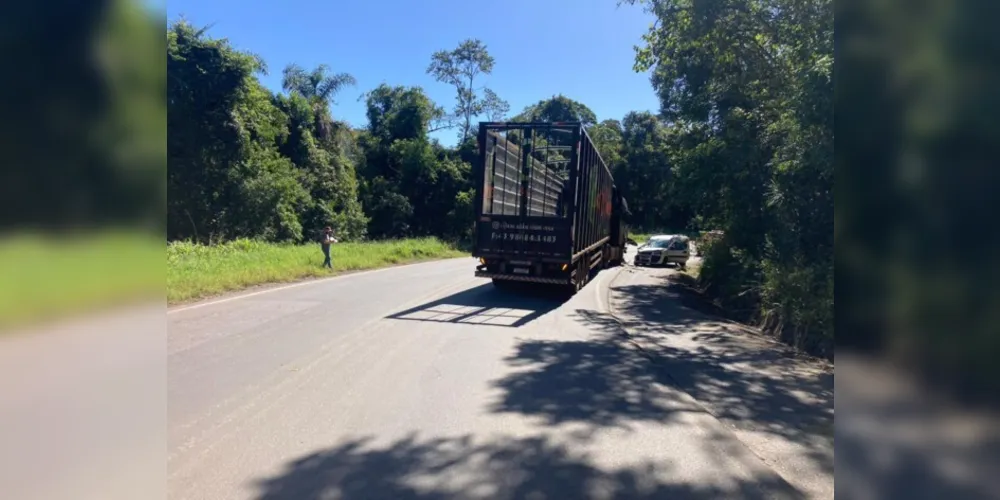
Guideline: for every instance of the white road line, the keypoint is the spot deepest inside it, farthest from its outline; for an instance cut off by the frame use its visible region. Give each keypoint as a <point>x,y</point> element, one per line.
<point>609,278</point>
<point>597,295</point>
<point>294,285</point>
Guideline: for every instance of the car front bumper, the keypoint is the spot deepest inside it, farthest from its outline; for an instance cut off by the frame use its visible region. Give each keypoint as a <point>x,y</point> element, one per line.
<point>650,259</point>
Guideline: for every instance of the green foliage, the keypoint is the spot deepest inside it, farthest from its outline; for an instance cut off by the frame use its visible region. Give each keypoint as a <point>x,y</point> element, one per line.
<point>399,113</point>
<point>390,211</point>
<point>317,85</point>
<point>272,199</point>
<point>746,88</point>
<point>609,141</point>
<point>84,126</point>
<point>494,107</point>
<point>459,68</point>
<point>410,186</point>
<point>915,164</point>
<point>246,163</point>
<point>557,109</point>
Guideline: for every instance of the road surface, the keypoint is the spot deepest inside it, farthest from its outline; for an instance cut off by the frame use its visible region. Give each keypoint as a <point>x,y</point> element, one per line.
<point>423,382</point>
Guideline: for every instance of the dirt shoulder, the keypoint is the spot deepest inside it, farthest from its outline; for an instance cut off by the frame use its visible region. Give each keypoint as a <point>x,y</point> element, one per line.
<point>778,402</point>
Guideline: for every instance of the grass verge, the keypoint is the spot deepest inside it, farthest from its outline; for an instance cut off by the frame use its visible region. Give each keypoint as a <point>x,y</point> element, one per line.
<point>198,271</point>
<point>639,238</point>
<point>693,268</point>
<point>45,277</point>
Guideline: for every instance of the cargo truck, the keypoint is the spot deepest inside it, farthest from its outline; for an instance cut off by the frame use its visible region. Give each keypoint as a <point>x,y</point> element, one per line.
<point>547,208</point>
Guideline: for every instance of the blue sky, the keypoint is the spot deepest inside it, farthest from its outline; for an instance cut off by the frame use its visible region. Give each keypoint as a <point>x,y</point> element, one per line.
<point>579,48</point>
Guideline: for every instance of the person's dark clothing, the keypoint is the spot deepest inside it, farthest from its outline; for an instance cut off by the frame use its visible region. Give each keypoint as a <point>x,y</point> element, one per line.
<point>326,255</point>
<point>325,245</point>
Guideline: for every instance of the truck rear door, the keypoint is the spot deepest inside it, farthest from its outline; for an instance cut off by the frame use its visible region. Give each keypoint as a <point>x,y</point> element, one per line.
<point>524,205</point>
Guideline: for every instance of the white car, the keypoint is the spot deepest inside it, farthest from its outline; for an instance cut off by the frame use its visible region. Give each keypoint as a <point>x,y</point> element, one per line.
<point>664,249</point>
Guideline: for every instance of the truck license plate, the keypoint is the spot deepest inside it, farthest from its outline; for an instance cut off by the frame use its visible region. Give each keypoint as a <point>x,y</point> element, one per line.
<point>521,270</point>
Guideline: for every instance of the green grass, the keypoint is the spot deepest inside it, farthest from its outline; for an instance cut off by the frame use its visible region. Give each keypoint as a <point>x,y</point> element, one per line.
<point>639,238</point>
<point>693,268</point>
<point>197,271</point>
<point>45,277</point>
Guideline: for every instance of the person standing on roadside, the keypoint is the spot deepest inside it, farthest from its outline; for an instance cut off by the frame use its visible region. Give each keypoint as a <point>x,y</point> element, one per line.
<point>325,243</point>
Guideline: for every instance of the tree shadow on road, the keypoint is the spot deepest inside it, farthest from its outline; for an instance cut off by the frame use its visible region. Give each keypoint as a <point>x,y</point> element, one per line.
<point>485,305</point>
<point>460,468</point>
<point>599,381</point>
<point>753,383</point>
<point>603,382</point>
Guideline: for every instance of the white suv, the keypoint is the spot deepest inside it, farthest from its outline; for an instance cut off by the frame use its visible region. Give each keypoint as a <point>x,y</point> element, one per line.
<point>664,249</point>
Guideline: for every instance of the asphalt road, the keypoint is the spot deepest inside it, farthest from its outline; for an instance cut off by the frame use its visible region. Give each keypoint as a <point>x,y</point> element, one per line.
<point>424,382</point>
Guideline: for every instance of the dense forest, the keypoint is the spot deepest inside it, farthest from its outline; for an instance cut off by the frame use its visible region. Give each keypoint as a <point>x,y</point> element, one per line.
<point>743,143</point>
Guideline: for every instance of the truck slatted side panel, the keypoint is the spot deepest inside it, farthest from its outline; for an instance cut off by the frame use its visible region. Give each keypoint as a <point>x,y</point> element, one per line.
<point>543,193</point>
<point>504,193</point>
<point>593,197</point>
<point>506,162</point>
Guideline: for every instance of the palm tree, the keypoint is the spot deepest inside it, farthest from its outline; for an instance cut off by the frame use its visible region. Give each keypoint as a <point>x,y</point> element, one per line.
<point>318,87</point>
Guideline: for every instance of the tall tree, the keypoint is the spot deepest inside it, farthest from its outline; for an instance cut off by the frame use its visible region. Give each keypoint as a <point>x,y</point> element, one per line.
<point>494,107</point>
<point>319,146</point>
<point>460,68</point>
<point>558,108</point>
<point>318,86</point>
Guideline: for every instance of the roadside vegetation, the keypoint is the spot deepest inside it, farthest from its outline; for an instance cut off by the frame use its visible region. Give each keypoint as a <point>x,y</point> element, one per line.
<point>45,277</point>
<point>195,271</point>
<point>744,144</point>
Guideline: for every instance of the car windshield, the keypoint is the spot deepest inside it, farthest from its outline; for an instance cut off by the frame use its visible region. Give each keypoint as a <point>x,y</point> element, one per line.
<point>659,243</point>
